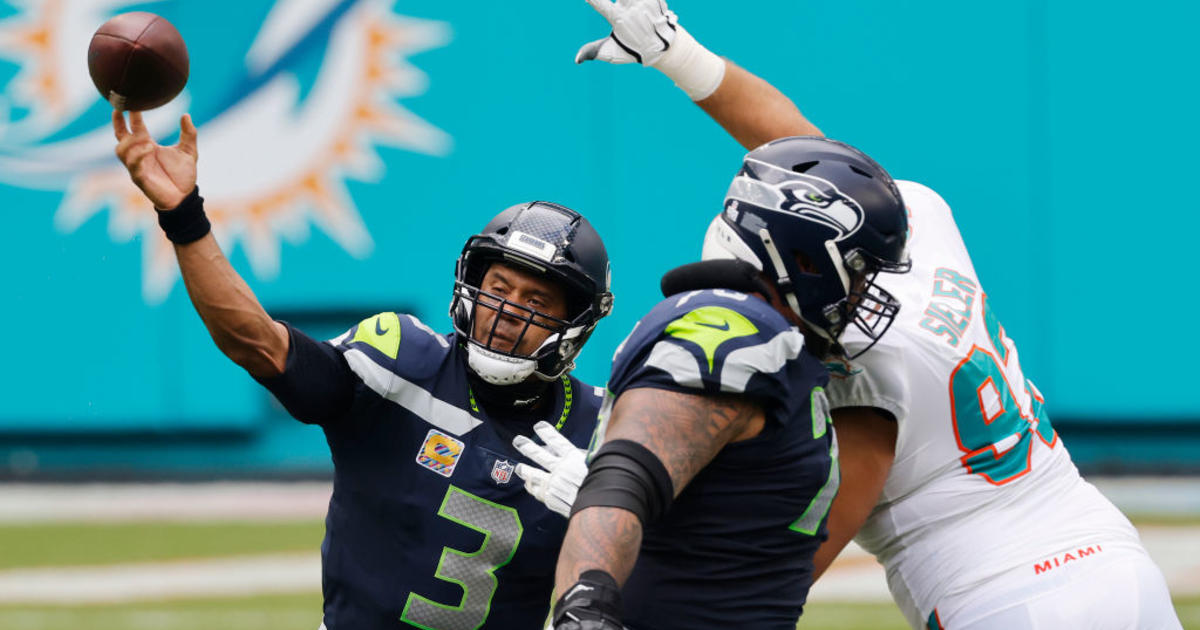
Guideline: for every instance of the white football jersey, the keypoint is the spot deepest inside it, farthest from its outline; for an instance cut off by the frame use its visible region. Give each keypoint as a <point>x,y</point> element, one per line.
<point>982,490</point>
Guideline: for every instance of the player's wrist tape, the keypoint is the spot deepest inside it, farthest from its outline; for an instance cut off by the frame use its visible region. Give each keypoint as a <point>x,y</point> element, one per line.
<point>625,474</point>
<point>186,223</point>
<point>595,597</point>
<point>695,69</point>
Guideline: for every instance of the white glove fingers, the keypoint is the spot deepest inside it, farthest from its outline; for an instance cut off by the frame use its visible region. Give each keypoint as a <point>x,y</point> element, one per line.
<point>535,479</point>
<point>590,50</point>
<point>535,451</point>
<point>555,442</point>
<point>604,7</point>
<point>559,506</point>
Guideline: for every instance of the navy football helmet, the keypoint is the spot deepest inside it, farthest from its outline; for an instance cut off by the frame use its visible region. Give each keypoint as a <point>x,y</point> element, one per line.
<point>821,220</point>
<point>548,240</point>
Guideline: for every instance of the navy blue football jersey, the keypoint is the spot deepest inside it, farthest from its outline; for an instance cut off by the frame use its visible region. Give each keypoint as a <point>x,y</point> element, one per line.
<point>735,549</point>
<point>429,526</point>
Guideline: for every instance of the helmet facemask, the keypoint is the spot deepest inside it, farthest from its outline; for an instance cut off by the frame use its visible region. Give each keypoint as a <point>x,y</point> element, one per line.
<point>498,360</point>
<point>867,305</point>
<point>548,241</point>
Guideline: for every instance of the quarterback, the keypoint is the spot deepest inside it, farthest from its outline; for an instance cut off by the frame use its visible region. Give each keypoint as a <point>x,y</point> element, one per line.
<point>953,476</point>
<point>427,526</point>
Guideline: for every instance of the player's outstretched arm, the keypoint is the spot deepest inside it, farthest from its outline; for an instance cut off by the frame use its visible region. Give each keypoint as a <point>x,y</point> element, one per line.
<point>239,325</point>
<point>866,448</point>
<point>684,432</point>
<point>647,32</point>
<point>753,111</point>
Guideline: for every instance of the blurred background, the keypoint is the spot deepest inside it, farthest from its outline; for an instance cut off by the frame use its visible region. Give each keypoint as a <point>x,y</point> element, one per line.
<point>349,148</point>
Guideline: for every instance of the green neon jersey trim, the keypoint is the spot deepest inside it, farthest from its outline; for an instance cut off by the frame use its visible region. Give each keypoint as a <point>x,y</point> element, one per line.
<point>568,398</point>
<point>381,332</point>
<point>471,399</point>
<point>709,327</point>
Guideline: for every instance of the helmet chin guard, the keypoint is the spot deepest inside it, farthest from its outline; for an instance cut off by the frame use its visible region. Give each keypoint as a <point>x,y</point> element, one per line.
<point>496,368</point>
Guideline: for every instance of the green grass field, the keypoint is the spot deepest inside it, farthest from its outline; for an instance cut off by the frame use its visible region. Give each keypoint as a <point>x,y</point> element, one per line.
<point>75,545</point>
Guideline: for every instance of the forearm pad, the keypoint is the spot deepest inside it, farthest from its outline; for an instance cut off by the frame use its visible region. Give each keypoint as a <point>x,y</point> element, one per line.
<point>625,474</point>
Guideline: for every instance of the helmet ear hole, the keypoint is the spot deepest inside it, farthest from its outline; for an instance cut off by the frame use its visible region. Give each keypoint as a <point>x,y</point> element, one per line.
<point>804,263</point>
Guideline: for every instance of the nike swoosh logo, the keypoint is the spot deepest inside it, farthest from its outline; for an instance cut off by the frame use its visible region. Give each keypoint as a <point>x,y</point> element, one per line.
<point>379,329</point>
<point>579,588</point>
<point>724,325</point>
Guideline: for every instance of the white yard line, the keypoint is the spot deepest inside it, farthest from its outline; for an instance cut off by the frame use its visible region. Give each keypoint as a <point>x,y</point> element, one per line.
<point>1175,496</point>
<point>855,576</point>
<point>176,502</point>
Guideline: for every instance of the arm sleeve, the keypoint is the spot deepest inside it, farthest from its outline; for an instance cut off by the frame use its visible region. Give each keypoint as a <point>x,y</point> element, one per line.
<point>317,385</point>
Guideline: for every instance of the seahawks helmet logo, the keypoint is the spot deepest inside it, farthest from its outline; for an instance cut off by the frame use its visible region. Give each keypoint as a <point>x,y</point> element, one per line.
<point>819,200</point>
<point>813,198</point>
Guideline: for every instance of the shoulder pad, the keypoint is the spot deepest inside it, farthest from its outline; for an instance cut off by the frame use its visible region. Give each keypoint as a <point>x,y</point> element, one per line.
<point>398,342</point>
<point>917,195</point>
<point>381,332</point>
<point>710,340</point>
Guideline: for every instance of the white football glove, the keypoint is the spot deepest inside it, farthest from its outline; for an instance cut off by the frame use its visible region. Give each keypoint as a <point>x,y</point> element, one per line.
<point>642,30</point>
<point>647,32</point>
<point>565,467</point>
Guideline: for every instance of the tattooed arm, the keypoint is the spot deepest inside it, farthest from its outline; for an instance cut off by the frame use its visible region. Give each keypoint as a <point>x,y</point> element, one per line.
<point>685,431</point>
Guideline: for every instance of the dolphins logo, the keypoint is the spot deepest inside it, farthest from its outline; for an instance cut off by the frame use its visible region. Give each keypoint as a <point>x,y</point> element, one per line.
<point>314,94</point>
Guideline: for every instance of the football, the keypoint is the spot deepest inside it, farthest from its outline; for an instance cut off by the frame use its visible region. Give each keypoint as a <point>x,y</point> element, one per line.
<point>138,61</point>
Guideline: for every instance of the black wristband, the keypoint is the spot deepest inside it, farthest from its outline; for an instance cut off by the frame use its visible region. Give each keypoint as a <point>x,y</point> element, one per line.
<point>186,223</point>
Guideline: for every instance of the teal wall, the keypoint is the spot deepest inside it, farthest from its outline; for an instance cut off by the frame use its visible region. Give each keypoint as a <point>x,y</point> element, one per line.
<point>1062,133</point>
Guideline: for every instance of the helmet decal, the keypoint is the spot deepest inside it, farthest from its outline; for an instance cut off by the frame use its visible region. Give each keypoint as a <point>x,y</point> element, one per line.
<point>820,219</point>
<point>809,196</point>
<point>531,245</point>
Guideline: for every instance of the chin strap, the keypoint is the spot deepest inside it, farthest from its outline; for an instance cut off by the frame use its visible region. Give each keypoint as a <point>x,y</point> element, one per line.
<point>783,281</point>
<point>498,369</point>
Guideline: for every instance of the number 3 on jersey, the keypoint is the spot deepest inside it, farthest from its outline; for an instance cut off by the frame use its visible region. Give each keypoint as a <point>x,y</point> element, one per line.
<point>474,571</point>
<point>995,422</point>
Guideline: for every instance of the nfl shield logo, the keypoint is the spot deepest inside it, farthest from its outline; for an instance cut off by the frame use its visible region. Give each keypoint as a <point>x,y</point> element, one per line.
<point>502,471</point>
